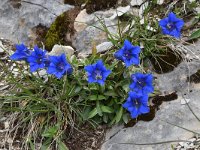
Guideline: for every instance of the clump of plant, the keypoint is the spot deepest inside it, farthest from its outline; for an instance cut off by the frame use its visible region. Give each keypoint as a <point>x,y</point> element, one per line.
<point>102,88</point>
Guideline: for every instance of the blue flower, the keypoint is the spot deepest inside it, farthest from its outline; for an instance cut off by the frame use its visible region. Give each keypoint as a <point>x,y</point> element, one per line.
<point>97,73</point>
<point>171,25</point>
<point>21,53</point>
<point>129,54</point>
<point>59,66</point>
<point>37,59</point>
<point>142,83</point>
<point>136,104</point>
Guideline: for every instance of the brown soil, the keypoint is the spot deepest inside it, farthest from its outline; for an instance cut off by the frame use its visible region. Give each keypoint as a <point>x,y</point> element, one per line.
<point>194,78</point>
<point>95,5</point>
<point>166,62</point>
<point>88,138</point>
<point>74,2</point>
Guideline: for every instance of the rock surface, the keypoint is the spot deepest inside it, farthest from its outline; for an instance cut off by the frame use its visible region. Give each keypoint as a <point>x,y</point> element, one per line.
<point>23,16</point>
<point>160,129</point>
<point>60,49</point>
<point>95,34</point>
<point>1,47</point>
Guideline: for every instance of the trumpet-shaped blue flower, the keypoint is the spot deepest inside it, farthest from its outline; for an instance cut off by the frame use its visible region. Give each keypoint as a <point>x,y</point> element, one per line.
<point>37,59</point>
<point>21,53</point>
<point>171,25</point>
<point>97,73</point>
<point>142,83</point>
<point>136,104</point>
<point>129,54</point>
<point>59,66</point>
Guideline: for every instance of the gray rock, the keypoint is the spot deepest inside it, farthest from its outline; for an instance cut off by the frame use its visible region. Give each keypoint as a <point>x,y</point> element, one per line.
<point>83,20</point>
<point>120,11</point>
<point>84,40</point>
<point>60,49</point>
<point>136,2</point>
<point>104,46</point>
<point>16,23</point>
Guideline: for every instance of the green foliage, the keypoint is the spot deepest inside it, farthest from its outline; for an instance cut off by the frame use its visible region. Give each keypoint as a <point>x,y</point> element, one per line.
<point>195,35</point>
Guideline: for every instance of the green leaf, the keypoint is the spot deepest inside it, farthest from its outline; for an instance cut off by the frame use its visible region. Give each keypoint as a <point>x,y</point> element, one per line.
<point>126,88</point>
<point>93,113</point>
<point>106,109</point>
<point>119,115</point>
<point>105,118</point>
<point>195,35</point>
<point>99,108</point>
<point>101,97</point>
<point>62,146</point>
<point>93,97</point>
<point>110,93</point>
<point>78,89</point>
<point>51,132</point>
<point>125,118</point>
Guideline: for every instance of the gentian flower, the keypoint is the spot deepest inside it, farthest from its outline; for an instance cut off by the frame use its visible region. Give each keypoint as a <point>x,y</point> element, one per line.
<point>171,25</point>
<point>142,83</point>
<point>97,73</point>
<point>136,104</point>
<point>59,66</point>
<point>129,54</point>
<point>21,53</point>
<point>37,59</point>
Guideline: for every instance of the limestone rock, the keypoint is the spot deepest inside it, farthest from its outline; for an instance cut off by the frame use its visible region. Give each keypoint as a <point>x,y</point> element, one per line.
<point>136,2</point>
<point>104,46</point>
<point>83,40</point>
<point>17,22</point>
<point>120,11</point>
<point>60,49</point>
<point>83,20</point>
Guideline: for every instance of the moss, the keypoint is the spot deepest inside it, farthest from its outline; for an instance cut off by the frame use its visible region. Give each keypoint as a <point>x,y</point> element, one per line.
<point>58,30</point>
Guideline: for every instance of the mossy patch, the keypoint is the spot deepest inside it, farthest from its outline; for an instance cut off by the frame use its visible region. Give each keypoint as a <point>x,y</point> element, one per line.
<point>61,29</point>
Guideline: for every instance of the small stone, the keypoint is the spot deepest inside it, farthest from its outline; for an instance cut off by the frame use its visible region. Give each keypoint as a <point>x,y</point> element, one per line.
<point>197,9</point>
<point>181,143</point>
<point>160,2</point>
<point>1,47</point>
<point>192,140</point>
<point>150,28</point>
<point>6,125</point>
<point>60,49</point>
<point>136,2</point>
<point>184,101</point>
<point>10,141</point>
<point>104,47</point>
<point>120,11</point>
